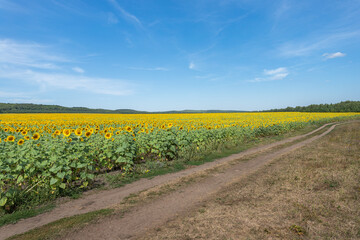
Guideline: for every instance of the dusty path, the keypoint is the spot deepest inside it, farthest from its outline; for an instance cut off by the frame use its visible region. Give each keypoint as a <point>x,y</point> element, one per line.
<point>154,213</point>
<point>149,216</point>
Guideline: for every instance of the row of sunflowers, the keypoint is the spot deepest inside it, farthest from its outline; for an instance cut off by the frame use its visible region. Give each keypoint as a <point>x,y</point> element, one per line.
<point>55,152</point>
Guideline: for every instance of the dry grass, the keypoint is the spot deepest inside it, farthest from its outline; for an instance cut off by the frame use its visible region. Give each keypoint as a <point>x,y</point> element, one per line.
<point>313,193</point>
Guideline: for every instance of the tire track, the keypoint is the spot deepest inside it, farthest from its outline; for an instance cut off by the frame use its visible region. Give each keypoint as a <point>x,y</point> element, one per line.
<point>151,215</point>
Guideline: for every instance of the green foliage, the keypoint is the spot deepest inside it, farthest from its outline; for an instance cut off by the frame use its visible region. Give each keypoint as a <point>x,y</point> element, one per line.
<point>30,173</point>
<point>347,106</point>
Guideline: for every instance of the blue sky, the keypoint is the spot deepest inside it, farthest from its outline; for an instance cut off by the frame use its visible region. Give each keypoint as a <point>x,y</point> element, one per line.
<point>160,55</point>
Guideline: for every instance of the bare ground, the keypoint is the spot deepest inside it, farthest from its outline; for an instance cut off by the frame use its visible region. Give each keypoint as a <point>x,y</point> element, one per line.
<point>152,214</point>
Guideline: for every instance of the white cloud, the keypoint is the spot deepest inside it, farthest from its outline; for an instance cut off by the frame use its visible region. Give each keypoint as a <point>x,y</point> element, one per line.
<point>70,82</point>
<point>275,71</point>
<point>30,62</point>
<point>124,14</point>
<point>28,54</point>
<point>192,65</point>
<point>272,75</point>
<point>78,70</point>
<point>334,55</point>
<point>149,69</point>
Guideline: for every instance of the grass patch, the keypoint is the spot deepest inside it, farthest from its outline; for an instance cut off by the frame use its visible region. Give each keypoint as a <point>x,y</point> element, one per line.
<point>62,226</point>
<point>22,214</point>
<point>119,180</point>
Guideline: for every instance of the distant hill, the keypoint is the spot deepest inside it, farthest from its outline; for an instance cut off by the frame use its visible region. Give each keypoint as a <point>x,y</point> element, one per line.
<point>40,108</point>
<point>347,106</point>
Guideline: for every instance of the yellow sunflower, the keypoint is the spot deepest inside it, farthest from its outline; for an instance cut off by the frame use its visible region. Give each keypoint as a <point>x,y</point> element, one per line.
<point>24,132</point>
<point>108,135</point>
<point>36,136</point>
<point>66,132</point>
<point>21,142</point>
<point>78,132</point>
<point>10,138</point>
<point>88,134</point>
<point>128,128</point>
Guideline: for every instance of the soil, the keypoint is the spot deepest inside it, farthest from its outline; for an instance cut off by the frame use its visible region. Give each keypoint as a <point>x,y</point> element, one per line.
<point>150,215</point>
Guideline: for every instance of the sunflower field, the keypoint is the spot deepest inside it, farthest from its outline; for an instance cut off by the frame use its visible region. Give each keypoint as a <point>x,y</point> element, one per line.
<point>50,153</point>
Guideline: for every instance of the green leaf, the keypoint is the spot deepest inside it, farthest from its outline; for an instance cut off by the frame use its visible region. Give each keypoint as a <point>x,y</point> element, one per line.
<point>53,181</point>
<point>84,184</point>
<point>62,185</point>
<point>91,176</point>
<point>3,201</point>
<point>20,179</point>
<point>60,175</point>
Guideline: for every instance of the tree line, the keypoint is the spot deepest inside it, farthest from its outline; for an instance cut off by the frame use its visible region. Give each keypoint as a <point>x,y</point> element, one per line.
<point>346,106</point>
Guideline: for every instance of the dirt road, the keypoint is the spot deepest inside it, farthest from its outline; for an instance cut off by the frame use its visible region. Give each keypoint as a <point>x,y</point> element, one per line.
<point>152,214</point>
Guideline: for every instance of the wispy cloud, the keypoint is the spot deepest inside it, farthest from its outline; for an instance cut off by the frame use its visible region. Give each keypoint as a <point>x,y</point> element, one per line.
<point>149,69</point>
<point>307,47</point>
<point>31,62</point>
<point>11,6</point>
<point>22,97</point>
<point>78,70</point>
<point>272,75</point>
<point>28,54</point>
<point>334,55</point>
<point>124,14</point>
<point>282,9</point>
<point>8,94</point>
<point>53,81</point>
<point>192,65</point>
<point>112,19</point>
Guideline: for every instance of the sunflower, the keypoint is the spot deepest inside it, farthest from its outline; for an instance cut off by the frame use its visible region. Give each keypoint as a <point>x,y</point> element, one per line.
<point>57,132</point>
<point>21,142</point>
<point>78,132</point>
<point>128,128</point>
<point>27,138</point>
<point>88,134</point>
<point>70,139</point>
<point>24,132</point>
<point>36,136</point>
<point>66,132</point>
<point>170,125</point>
<point>108,135</point>
<point>10,138</point>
